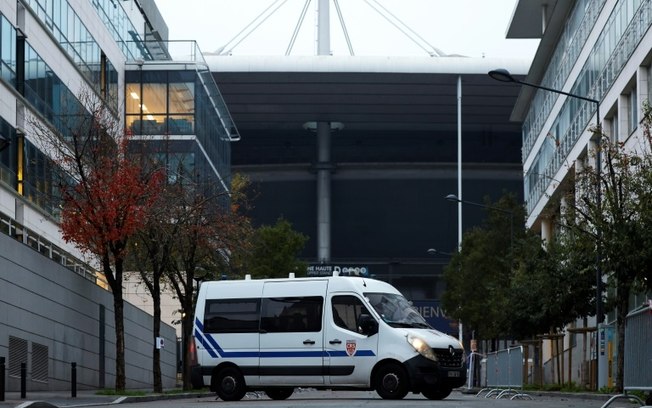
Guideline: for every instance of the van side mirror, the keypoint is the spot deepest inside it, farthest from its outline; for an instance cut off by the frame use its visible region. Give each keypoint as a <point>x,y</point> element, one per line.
<point>367,325</point>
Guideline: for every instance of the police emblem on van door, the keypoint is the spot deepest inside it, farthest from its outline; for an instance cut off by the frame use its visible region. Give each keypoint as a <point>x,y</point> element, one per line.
<point>350,347</point>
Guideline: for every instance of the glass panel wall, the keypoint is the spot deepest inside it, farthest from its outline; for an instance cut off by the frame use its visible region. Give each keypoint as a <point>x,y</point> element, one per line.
<point>119,23</point>
<point>175,103</point>
<point>628,22</point>
<point>7,51</point>
<point>73,36</point>
<point>8,160</point>
<point>162,104</point>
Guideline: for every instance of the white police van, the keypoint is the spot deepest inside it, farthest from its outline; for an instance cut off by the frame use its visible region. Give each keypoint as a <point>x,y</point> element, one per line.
<point>325,333</point>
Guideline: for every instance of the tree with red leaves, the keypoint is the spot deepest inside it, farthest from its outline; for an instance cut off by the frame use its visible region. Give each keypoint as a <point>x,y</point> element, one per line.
<point>105,194</point>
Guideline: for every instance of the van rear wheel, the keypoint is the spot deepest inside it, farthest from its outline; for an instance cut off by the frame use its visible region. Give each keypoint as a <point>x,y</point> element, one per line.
<point>436,393</point>
<point>391,381</point>
<point>279,393</point>
<point>229,384</point>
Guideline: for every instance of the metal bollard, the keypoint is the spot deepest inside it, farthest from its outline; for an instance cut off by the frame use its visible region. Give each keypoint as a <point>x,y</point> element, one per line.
<point>73,380</point>
<point>23,380</point>
<point>2,378</point>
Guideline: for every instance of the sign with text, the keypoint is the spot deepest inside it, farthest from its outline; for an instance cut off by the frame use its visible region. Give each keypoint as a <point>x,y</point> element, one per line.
<point>342,270</point>
<point>435,316</point>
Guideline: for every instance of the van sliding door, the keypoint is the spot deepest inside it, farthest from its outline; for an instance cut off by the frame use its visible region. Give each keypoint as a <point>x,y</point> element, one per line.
<point>291,339</point>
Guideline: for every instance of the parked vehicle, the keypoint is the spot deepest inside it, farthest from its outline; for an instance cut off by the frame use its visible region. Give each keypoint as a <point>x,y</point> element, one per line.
<point>325,332</point>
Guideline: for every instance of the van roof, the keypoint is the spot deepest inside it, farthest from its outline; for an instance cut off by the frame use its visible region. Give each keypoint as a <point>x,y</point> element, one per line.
<point>335,283</point>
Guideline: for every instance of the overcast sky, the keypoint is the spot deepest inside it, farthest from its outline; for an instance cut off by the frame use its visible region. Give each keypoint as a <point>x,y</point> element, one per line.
<point>473,28</point>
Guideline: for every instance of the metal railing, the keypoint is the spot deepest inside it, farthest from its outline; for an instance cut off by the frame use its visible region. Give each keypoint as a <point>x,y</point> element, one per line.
<point>504,370</point>
<point>638,355</point>
<point>17,231</point>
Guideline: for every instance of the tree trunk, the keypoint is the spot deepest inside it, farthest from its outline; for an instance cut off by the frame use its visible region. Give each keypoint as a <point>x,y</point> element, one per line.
<point>187,326</point>
<point>118,306</point>
<point>621,319</point>
<point>114,278</point>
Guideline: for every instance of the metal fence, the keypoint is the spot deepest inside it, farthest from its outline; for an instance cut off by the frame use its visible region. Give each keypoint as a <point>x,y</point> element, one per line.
<point>504,372</point>
<point>638,350</point>
<point>505,368</point>
<point>638,355</point>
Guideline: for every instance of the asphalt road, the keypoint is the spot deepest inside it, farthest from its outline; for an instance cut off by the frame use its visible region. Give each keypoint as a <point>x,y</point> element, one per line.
<point>308,398</point>
<point>353,399</point>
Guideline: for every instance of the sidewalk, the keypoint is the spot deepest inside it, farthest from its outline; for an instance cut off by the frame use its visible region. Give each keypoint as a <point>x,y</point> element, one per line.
<point>86,398</point>
<point>45,399</point>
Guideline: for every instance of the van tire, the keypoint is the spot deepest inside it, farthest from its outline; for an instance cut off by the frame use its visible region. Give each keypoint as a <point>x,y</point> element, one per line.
<point>279,393</point>
<point>436,393</point>
<point>391,381</point>
<point>229,384</point>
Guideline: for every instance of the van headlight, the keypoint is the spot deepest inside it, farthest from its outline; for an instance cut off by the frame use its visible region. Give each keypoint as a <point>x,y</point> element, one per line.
<point>421,347</point>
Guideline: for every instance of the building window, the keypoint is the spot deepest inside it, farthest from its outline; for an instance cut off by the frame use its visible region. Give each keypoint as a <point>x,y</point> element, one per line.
<point>7,51</point>
<point>164,104</point>
<point>633,111</point>
<point>613,128</point>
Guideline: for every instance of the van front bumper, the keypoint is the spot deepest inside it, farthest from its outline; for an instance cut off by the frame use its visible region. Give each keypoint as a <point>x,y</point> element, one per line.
<point>425,373</point>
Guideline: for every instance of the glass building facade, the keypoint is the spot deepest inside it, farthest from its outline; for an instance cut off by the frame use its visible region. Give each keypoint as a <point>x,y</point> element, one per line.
<point>623,32</point>
<point>170,98</point>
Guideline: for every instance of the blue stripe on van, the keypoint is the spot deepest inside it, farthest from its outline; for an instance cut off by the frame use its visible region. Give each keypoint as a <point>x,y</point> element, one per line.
<point>205,339</point>
<point>358,353</point>
<point>214,349</point>
<point>202,341</point>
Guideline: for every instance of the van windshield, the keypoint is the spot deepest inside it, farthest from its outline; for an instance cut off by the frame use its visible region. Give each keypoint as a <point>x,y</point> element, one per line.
<point>396,311</point>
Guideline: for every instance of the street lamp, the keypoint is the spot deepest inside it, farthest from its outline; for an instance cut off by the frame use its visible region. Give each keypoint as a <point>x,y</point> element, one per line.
<point>433,251</point>
<point>503,75</point>
<point>454,198</point>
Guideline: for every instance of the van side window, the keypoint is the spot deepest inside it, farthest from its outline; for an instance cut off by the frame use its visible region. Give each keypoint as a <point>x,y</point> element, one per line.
<point>292,314</point>
<point>346,311</point>
<point>231,316</point>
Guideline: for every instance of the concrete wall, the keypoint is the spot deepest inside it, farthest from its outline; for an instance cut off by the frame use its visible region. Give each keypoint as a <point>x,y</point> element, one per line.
<point>51,317</point>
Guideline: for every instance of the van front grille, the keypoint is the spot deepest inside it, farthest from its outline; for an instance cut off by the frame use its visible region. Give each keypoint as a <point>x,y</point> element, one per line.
<point>450,358</point>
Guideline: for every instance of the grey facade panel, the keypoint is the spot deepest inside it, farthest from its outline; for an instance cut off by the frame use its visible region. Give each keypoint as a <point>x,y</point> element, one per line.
<point>46,304</point>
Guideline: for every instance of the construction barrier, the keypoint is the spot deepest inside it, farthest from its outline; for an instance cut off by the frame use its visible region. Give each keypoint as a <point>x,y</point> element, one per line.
<point>638,355</point>
<point>504,370</point>
<point>638,350</point>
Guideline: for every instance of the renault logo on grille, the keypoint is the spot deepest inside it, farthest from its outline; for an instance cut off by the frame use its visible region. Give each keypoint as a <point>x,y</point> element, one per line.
<point>451,350</point>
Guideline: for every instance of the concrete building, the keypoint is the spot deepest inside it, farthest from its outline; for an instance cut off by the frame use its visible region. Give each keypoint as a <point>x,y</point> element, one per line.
<point>54,309</point>
<point>595,49</point>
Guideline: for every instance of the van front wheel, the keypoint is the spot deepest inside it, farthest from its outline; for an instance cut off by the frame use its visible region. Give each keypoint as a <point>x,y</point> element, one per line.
<point>230,384</point>
<point>391,381</point>
<point>279,393</point>
<point>435,393</point>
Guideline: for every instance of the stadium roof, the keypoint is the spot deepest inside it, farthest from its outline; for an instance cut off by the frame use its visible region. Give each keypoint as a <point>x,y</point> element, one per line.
<point>389,93</point>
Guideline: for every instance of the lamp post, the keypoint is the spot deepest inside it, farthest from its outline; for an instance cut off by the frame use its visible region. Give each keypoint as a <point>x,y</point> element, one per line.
<point>503,75</point>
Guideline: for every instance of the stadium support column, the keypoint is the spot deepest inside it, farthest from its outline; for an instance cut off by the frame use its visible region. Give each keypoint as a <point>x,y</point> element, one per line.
<point>323,167</point>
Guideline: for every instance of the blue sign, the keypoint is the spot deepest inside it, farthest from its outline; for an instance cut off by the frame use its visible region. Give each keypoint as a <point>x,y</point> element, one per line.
<point>435,316</point>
